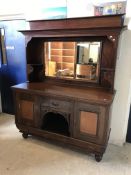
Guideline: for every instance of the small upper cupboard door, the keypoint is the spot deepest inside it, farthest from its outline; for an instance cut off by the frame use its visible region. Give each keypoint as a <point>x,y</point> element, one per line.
<point>90,122</point>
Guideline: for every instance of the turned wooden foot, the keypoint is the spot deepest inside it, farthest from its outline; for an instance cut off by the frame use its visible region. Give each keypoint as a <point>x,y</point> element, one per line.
<point>98,157</point>
<point>25,135</point>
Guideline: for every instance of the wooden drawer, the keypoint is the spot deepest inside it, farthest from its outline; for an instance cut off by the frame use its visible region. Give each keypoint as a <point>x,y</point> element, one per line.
<point>57,104</point>
<point>45,102</point>
<point>60,104</point>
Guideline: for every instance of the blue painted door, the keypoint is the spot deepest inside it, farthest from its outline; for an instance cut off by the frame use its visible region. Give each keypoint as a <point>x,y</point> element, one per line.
<point>14,70</point>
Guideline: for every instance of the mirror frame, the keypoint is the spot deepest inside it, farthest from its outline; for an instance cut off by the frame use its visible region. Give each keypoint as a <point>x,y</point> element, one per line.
<point>87,39</point>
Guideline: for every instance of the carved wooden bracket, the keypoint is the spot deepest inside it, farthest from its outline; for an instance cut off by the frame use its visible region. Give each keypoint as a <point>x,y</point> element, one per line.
<point>27,39</point>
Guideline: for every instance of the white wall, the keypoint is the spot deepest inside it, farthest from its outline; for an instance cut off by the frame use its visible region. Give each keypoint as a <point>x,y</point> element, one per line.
<point>79,8</point>
<point>121,104</point>
<point>10,7</point>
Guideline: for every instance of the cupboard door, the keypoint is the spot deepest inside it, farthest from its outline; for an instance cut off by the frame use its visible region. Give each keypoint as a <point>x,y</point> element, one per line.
<point>26,109</point>
<point>90,122</point>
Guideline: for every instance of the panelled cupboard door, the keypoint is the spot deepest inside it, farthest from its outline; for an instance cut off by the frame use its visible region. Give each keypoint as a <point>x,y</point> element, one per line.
<point>25,109</point>
<point>90,122</point>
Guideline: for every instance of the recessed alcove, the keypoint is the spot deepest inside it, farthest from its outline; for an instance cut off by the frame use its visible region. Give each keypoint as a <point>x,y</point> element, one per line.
<point>55,122</point>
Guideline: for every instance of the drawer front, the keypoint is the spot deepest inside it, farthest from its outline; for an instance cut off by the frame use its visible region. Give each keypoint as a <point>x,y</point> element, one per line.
<point>57,104</point>
<point>45,102</point>
<point>60,104</point>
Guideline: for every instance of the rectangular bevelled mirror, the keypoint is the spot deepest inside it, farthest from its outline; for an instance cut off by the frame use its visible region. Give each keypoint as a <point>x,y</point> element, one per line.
<point>73,60</point>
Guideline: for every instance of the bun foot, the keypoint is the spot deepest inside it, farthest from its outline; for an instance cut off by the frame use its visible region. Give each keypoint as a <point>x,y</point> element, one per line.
<point>25,135</point>
<point>98,157</point>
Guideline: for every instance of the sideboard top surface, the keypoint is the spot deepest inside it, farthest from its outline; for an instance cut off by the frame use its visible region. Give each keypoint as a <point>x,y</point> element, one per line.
<point>94,95</point>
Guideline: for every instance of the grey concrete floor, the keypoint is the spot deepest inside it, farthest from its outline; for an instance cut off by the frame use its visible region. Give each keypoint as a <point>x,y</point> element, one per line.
<point>36,157</point>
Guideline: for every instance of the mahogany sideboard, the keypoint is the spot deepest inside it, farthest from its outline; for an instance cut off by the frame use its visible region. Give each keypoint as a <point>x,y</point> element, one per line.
<point>59,105</point>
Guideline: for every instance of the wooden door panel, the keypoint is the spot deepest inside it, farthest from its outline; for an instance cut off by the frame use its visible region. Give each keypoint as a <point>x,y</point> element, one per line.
<point>88,122</point>
<point>27,109</point>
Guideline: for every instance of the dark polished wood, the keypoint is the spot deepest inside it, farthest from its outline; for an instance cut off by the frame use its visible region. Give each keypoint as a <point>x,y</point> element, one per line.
<point>105,29</point>
<point>65,99</point>
<point>94,95</point>
<point>81,108</point>
<point>79,23</point>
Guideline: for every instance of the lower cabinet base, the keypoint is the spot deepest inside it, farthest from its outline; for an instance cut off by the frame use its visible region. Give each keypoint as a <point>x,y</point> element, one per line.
<point>68,115</point>
<point>98,150</point>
